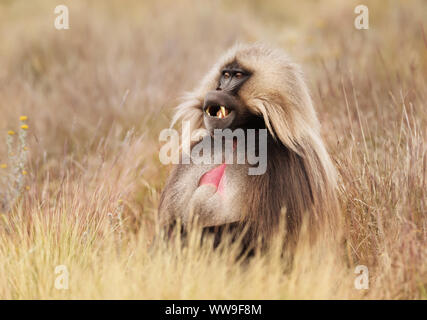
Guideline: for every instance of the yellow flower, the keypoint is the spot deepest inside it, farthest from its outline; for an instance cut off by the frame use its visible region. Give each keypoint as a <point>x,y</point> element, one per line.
<point>24,172</point>
<point>25,148</point>
<point>11,132</point>
<point>27,187</point>
<point>3,165</point>
<point>23,118</point>
<point>120,201</point>
<point>24,126</point>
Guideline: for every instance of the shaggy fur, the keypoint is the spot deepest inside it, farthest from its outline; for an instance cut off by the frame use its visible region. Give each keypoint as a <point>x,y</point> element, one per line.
<point>300,181</point>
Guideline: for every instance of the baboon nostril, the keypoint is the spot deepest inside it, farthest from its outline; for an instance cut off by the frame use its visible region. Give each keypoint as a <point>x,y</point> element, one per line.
<point>218,89</point>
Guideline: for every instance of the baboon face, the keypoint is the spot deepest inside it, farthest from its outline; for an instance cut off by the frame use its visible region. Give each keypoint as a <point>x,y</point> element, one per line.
<point>223,107</point>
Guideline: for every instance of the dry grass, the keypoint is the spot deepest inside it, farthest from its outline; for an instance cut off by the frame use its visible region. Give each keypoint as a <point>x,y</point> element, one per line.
<point>98,95</point>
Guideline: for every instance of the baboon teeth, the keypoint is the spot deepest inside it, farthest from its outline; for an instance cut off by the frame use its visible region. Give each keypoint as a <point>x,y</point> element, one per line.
<point>224,111</point>
<point>221,113</point>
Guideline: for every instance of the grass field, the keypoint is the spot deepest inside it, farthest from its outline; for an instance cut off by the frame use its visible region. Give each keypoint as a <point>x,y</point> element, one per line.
<point>83,190</point>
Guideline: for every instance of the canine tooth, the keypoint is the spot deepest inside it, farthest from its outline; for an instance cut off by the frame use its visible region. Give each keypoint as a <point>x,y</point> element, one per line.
<point>223,111</point>
<point>207,109</point>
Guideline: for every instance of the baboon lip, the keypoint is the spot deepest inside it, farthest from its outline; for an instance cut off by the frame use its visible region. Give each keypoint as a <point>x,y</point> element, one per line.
<point>214,177</point>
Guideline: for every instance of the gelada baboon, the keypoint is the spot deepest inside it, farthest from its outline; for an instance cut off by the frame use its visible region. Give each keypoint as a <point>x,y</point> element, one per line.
<point>255,87</point>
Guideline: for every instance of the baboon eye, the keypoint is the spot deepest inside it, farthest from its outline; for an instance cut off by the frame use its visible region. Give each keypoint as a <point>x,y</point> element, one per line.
<point>226,75</point>
<point>239,75</point>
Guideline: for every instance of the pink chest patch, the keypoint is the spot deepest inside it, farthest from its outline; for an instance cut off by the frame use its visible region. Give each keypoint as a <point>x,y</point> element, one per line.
<point>214,177</point>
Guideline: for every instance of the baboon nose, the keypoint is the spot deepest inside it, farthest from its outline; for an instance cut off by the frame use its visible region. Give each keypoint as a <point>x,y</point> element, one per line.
<point>220,98</point>
<point>217,98</point>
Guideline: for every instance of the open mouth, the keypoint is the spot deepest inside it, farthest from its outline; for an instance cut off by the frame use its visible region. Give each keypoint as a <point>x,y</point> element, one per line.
<point>219,112</point>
